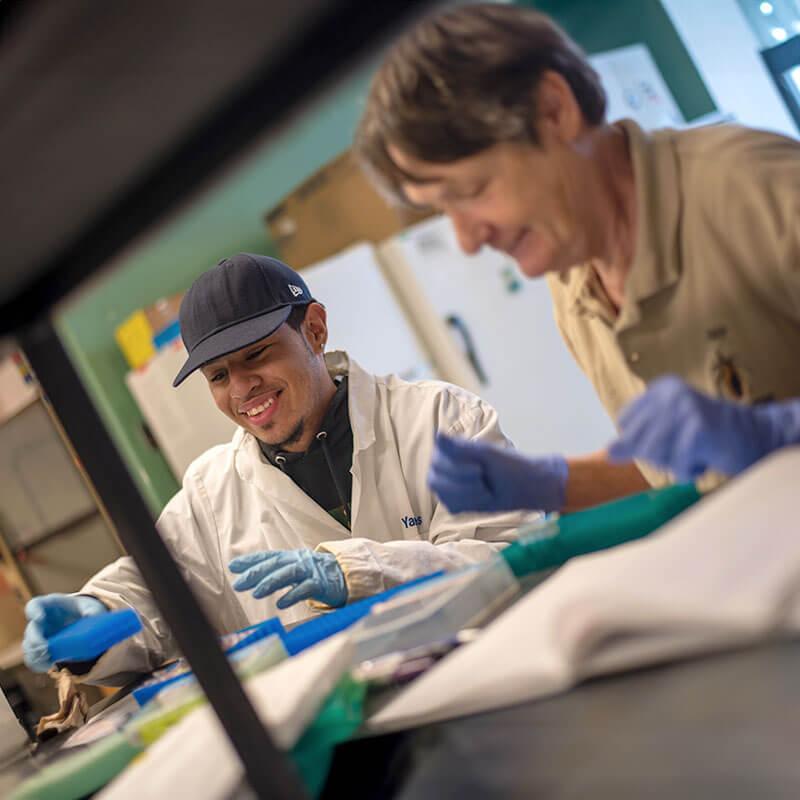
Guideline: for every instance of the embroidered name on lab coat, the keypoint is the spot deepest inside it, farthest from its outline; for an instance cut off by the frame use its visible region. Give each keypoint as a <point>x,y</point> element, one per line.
<point>411,522</point>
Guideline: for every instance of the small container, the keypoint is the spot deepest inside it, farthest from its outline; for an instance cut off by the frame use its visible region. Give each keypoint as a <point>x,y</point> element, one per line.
<point>92,636</point>
<point>315,630</point>
<point>437,611</point>
<point>549,544</point>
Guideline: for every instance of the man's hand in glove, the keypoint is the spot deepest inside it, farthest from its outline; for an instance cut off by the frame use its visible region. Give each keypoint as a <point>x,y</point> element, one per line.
<point>313,575</point>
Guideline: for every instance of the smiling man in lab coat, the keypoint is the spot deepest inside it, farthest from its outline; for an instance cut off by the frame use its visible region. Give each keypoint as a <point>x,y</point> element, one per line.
<point>320,496</point>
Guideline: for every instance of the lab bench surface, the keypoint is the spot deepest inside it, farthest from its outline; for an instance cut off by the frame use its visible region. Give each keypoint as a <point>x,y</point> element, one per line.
<point>25,763</point>
<point>725,726</point>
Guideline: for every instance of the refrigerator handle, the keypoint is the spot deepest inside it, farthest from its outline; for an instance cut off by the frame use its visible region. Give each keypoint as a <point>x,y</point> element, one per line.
<point>456,322</point>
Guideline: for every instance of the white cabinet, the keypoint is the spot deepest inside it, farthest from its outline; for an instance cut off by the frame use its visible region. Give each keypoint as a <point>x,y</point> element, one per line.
<point>364,317</point>
<point>545,402</point>
<point>52,534</point>
<point>183,421</point>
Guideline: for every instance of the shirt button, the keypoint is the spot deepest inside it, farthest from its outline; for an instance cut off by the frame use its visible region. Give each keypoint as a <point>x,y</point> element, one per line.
<point>634,357</point>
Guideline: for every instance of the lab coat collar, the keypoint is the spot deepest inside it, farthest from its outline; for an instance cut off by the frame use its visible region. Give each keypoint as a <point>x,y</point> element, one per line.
<point>361,397</point>
<point>253,468</point>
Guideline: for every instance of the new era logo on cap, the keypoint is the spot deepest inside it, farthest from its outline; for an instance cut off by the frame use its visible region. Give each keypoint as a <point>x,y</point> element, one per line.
<point>295,290</point>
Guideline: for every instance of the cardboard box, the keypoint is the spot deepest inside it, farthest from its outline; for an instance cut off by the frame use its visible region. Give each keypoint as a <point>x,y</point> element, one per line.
<point>12,615</point>
<point>164,312</point>
<point>334,208</point>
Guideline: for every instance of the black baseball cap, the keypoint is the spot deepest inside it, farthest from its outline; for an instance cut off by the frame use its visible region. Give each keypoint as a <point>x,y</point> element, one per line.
<point>242,299</point>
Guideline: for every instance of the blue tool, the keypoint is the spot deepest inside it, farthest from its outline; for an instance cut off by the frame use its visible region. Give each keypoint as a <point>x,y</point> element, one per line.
<point>180,670</point>
<point>90,637</point>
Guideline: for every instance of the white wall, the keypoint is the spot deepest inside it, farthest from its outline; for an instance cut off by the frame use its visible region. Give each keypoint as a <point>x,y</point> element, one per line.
<point>725,51</point>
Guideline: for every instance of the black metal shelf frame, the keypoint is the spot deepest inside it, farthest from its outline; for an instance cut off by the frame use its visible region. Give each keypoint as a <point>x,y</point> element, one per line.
<point>332,41</point>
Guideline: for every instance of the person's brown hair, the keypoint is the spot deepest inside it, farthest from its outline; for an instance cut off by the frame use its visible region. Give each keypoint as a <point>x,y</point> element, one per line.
<point>463,80</point>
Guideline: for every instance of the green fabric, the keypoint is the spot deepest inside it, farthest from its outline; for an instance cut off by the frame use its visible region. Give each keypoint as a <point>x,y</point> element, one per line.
<point>81,774</point>
<point>339,718</point>
<point>598,528</point>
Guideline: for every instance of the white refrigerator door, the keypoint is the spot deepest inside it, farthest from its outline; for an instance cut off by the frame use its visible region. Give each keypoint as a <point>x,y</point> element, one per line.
<point>545,402</point>
<point>364,317</point>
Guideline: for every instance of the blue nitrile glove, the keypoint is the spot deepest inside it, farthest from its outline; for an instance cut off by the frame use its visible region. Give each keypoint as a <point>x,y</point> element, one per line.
<point>675,427</point>
<point>473,476</point>
<point>313,575</point>
<point>47,615</point>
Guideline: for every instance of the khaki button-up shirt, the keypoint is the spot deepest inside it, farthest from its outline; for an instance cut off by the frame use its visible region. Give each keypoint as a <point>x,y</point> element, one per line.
<point>713,294</point>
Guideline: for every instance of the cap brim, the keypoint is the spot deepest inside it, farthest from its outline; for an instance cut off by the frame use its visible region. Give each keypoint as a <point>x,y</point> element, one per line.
<point>232,339</point>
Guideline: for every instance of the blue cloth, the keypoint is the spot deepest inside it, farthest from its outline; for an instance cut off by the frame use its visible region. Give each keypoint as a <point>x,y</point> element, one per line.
<point>313,575</point>
<point>472,476</point>
<point>47,615</point>
<point>675,427</point>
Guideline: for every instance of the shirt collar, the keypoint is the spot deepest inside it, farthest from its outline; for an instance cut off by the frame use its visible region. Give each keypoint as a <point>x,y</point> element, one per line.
<point>360,397</point>
<point>656,259</point>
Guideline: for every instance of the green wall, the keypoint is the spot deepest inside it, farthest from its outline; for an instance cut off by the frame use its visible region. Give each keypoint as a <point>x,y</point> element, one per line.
<point>228,217</point>
<point>599,25</point>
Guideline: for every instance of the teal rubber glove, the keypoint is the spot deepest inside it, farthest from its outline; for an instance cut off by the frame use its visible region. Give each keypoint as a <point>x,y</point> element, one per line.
<point>47,615</point>
<point>675,427</point>
<point>474,476</point>
<point>314,576</point>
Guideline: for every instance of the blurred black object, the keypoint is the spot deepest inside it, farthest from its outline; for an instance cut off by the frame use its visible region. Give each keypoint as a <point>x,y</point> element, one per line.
<point>113,115</point>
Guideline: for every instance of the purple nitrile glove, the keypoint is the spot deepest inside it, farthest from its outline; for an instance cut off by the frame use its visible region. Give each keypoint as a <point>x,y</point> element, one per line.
<point>675,427</point>
<point>474,476</point>
<point>315,576</point>
<point>49,614</point>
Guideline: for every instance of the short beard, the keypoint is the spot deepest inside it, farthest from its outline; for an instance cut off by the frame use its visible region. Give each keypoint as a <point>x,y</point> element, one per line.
<point>293,437</point>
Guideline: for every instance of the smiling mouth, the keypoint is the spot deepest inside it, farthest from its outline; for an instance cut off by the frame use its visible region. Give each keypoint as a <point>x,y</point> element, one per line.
<point>256,410</point>
<point>261,412</point>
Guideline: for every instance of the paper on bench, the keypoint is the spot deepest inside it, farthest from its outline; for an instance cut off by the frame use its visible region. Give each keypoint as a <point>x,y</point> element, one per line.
<point>196,759</point>
<point>725,572</point>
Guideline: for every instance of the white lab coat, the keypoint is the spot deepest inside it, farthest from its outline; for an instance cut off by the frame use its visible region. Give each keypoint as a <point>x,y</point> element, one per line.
<point>234,502</point>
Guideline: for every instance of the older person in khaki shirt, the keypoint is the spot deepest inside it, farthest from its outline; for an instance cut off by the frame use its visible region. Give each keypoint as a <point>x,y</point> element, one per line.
<point>670,253</point>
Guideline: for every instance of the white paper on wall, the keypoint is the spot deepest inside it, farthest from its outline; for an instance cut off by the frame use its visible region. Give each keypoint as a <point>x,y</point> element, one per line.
<point>635,88</point>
